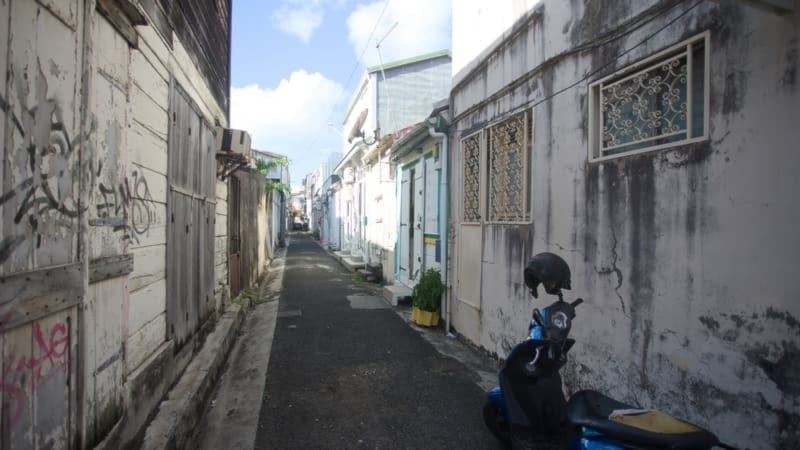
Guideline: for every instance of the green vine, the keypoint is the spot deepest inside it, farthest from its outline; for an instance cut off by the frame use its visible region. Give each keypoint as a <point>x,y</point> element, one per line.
<point>428,291</point>
<point>264,166</point>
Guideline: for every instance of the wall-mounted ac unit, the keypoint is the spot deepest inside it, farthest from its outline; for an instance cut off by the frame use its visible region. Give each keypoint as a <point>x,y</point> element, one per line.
<point>236,141</point>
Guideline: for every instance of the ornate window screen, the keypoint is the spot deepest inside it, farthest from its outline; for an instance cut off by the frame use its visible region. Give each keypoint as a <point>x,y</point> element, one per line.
<point>660,102</point>
<point>471,146</point>
<point>508,160</point>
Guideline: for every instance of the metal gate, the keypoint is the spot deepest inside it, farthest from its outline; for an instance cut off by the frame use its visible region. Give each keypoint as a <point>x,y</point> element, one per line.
<point>191,208</point>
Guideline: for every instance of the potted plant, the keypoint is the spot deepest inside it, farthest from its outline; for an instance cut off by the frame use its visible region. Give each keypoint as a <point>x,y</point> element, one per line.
<point>425,298</point>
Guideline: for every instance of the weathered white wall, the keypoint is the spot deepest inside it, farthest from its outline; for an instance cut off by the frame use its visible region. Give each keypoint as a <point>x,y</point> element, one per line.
<point>42,186</point>
<point>381,214</point>
<point>96,110</point>
<point>685,256</point>
<point>478,24</point>
<point>221,281</point>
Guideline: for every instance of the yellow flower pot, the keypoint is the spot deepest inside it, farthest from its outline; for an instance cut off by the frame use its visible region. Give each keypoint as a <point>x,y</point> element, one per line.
<point>425,318</point>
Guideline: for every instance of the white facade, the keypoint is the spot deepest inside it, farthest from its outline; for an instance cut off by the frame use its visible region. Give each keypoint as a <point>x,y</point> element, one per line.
<point>388,101</point>
<point>684,254</point>
<point>90,89</point>
<point>420,229</point>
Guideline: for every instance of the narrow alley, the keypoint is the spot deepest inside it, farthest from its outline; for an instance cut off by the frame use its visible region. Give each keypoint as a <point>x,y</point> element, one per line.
<point>345,371</point>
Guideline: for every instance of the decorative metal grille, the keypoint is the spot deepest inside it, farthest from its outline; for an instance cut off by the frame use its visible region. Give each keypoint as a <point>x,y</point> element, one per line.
<point>472,178</point>
<point>508,160</point>
<point>660,103</point>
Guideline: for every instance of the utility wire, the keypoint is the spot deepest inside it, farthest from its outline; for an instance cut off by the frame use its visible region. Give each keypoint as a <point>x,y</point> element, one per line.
<point>364,51</point>
<point>357,64</point>
<point>534,103</point>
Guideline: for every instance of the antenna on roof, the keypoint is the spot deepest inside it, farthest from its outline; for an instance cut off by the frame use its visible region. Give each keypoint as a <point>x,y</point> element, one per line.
<point>383,73</point>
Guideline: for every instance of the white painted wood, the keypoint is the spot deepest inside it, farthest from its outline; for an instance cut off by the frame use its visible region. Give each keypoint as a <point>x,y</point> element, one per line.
<point>156,182</point>
<point>146,304</point>
<point>419,220</point>
<point>405,223</point>
<point>108,309</point>
<point>107,200</point>
<point>65,10</point>
<point>5,11</point>
<point>148,113</point>
<point>149,266</point>
<point>18,346</point>
<point>151,79</point>
<point>431,197</point>
<point>42,62</point>
<point>154,49</point>
<point>147,149</point>
<point>110,51</point>
<point>141,344</point>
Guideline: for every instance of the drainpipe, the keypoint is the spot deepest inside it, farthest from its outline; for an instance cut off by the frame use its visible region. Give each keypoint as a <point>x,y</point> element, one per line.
<point>443,200</point>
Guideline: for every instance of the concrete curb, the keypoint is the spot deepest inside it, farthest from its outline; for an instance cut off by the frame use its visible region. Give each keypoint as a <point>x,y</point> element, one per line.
<point>179,413</point>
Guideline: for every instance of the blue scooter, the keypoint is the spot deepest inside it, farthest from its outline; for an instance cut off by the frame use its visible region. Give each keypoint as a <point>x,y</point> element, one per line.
<point>529,402</point>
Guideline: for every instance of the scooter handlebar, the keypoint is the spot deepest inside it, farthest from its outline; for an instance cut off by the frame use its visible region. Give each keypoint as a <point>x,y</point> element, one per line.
<point>576,302</point>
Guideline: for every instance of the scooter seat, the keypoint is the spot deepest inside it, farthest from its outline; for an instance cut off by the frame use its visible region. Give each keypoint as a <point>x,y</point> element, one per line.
<point>630,425</point>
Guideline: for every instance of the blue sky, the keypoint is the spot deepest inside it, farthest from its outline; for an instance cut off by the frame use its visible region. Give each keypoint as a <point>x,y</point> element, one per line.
<point>295,64</point>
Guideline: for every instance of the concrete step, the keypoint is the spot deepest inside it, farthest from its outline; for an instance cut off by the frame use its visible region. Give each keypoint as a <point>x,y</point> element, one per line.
<point>368,275</point>
<point>396,293</point>
<point>353,263</point>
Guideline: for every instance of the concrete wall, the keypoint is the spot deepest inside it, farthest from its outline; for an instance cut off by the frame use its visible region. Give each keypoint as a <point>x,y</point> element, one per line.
<point>381,213</point>
<point>98,103</point>
<point>684,255</point>
<point>407,94</point>
<point>478,24</point>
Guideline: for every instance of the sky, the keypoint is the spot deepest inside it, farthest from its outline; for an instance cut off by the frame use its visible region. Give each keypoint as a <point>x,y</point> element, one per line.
<point>295,64</point>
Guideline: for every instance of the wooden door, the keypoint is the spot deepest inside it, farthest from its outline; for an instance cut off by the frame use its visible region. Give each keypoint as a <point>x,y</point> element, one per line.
<point>191,207</point>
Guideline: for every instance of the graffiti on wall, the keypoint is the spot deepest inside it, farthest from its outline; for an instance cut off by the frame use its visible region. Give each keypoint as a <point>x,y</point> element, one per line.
<point>128,208</point>
<point>44,157</point>
<point>25,373</point>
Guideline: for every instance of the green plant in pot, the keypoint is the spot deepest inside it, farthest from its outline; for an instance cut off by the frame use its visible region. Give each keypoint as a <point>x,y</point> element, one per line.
<point>425,298</point>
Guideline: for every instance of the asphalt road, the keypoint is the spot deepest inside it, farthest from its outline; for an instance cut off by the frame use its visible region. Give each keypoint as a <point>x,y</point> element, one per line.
<point>345,371</point>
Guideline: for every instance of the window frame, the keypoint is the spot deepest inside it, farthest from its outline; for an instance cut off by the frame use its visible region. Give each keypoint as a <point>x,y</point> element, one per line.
<point>596,116</point>
<point>527,170</point>
<point>481,136</point>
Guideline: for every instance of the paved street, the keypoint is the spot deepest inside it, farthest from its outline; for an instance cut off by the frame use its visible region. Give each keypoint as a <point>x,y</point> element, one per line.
<point>345,371</point>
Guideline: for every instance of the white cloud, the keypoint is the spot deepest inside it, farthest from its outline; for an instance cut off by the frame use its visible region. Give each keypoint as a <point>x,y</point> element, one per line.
<point>300,22</point>
<point>291,118</point>
<point>423,26</point>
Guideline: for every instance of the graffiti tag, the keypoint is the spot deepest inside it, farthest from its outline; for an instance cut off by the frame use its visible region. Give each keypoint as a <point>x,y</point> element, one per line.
<point>45,153</point>
<point>127,207</point>
<point>24,374</point>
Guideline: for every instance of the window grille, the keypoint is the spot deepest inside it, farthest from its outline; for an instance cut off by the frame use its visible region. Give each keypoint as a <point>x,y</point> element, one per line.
<point>658,103</point>
<point>472,178</point>
<point>508,161</point>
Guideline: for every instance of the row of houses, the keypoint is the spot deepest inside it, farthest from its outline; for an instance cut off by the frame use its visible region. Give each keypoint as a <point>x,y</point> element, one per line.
<point>652,144</point>
<point>129,213</point>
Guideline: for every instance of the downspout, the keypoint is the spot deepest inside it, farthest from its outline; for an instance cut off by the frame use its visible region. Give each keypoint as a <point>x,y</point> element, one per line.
<point>444,225</point>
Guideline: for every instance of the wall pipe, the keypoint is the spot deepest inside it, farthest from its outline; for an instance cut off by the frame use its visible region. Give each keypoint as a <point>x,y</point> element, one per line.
<point>444,196</point>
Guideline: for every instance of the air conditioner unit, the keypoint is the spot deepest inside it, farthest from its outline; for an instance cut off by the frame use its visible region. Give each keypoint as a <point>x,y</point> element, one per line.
<point>236,141</point>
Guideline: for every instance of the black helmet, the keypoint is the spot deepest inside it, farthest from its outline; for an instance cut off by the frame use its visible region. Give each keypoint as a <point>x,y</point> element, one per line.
<point>550,270</point>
